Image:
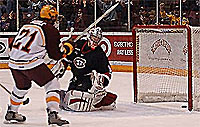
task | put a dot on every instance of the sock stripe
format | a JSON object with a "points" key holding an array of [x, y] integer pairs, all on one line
{"points": [[52, 98], [15, 103]]}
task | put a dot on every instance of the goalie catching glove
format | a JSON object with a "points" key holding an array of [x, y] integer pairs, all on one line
{"points": [[99, 81]]}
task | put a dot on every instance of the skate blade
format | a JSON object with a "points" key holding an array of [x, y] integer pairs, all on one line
{"points": [[55, 125], [12, 122]]}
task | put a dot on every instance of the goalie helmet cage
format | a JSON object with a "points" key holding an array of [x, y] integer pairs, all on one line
{"points": [[165, 68]]}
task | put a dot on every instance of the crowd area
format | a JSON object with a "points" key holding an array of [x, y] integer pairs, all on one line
{"points": [[81, 13]]}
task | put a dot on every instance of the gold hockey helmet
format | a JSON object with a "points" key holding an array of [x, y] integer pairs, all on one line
{"points": [[48, 11]]}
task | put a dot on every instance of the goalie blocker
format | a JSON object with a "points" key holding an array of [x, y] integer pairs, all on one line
{"points": [[74, 100]]}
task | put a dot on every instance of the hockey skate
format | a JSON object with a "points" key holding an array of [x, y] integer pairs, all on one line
{"points": [[14, 117], [55, 119]]}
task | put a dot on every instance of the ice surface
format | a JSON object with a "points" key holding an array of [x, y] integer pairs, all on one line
{"points": [[127, 113]]}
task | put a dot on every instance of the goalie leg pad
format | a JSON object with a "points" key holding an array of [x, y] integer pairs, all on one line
{"points": [[77, 101], [107, 100]]}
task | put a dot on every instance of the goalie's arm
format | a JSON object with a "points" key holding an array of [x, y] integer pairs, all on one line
{"points": [[103, 67]]}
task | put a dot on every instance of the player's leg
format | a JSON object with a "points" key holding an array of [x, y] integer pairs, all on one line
{"points": [[51, 85], [22, 84], [53, 100]]}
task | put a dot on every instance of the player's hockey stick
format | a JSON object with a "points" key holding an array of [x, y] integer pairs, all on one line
{"points": [[24, 102], [67, 38], [88, 28], [97, 21]]}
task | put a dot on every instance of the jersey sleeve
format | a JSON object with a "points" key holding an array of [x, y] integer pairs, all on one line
{"points": [[52, 38]]}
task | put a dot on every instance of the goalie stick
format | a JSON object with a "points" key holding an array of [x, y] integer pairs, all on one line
{"points": [[97, 21], [24, 102]]}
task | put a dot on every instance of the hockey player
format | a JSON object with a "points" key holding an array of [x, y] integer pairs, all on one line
{"points": [[91, 74], [26, 63]]}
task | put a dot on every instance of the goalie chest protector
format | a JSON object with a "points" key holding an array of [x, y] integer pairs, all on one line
{"points": [[84, 60]]}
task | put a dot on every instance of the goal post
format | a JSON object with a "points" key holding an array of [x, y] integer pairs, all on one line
{"points": [[195, 39], [162, 64]]}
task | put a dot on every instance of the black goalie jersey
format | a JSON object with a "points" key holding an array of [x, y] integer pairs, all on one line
{"points": [[83, 61]]}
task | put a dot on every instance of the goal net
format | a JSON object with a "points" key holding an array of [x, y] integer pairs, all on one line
{"points": [[165, 67]]}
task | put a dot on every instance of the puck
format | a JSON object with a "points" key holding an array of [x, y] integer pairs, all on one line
{"points": [[183, 106]]}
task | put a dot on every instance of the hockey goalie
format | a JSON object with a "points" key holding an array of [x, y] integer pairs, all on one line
{"points": [[91, 75]]}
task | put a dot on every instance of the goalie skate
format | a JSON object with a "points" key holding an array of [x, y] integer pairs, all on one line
{"points": [[55, 120]]}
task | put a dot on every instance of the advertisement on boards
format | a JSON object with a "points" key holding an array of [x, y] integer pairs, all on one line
{"points": [[118, 48], [4, 50]]}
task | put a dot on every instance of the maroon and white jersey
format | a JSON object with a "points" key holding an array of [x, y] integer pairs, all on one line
{"points": [[31, 44]]}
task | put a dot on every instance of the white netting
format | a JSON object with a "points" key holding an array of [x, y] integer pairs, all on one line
{"points": [[162, 64]]}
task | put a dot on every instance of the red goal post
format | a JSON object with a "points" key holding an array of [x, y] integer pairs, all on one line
{"points": [[162, 64]]}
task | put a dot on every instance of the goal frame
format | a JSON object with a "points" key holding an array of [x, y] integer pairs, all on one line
{"points": [[189, 69]]}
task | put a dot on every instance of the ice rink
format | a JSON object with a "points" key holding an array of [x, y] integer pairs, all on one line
{"points": [[127, 113]]}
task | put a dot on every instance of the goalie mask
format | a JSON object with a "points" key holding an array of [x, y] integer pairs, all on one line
{"points": [[94, 37]]}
